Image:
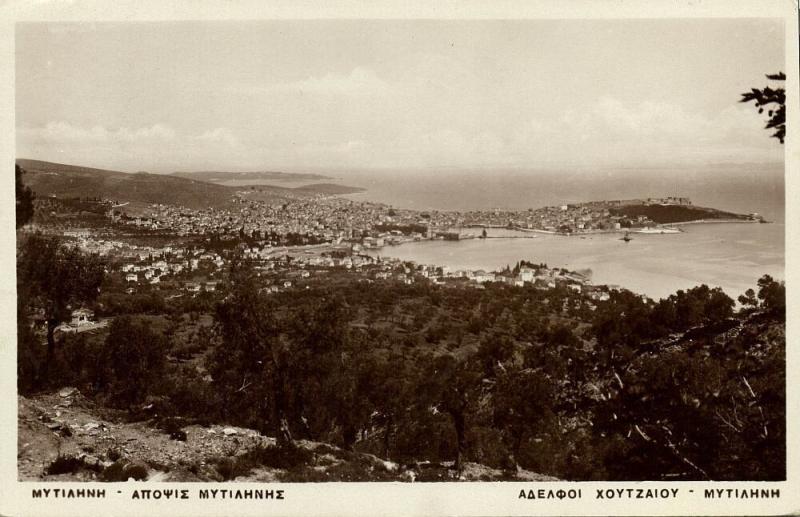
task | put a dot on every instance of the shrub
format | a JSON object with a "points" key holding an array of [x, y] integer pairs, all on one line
{"points": [[279, 457], [137, 354], [64, 464], [122, 470], [231, 468]]}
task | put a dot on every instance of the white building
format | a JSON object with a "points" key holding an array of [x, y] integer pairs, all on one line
{"points": [[526, 274], [81, 317]]}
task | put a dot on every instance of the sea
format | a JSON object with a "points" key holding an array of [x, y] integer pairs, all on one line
{"points": [[728, 255]]}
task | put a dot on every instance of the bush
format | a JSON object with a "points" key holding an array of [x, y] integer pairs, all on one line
{"points": [[122, 470], [137, 356], [279, 457], [262, 456], [232, 468], [64, 464]]}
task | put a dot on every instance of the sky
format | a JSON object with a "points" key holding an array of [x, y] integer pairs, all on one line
{"points": [[394, 94]]}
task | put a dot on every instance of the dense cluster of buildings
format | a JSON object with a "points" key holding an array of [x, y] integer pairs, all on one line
{"points": [[371, 225], [328, 219], [595, 216], [344, 230], [194, 270]]}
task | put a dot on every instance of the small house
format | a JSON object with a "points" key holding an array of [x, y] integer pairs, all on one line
{"points": [[81, 317]]}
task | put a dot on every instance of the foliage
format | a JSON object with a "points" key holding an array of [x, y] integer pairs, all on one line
{"points": [[30, 352], [250, 365], [452, 386], [24, 198], [523, 406], [694, 413], [278, 457], [135, 356], [772, 294], [547, 380], [748, 299], [122, 470], [52, 280], [764, 98], [64, 464]]}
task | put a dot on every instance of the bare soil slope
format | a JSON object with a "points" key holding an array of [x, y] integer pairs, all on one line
{"points": [[63, 436]]}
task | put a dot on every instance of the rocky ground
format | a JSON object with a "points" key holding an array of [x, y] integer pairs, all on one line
{"points": [[63, 436]]}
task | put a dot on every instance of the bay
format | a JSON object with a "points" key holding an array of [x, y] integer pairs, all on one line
{"points": [[728, 255], [731, 256]]}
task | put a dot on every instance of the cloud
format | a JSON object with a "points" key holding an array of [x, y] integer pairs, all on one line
{"points": [[608, 132], [613, 132], [148, 147], [219, 135], [359, 82], [66, 133]]}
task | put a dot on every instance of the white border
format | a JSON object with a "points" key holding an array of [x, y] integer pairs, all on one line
{"points": [[387, 498]]}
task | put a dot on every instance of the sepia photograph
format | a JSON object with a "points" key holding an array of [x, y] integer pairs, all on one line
{"points": [[401, 250]]}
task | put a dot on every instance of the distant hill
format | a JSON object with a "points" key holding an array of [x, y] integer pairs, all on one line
{"points": [[61, 180], [47, 179], [668, 214], [330, 189], [221, 176]]}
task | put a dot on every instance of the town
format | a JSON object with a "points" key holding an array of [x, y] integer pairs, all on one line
{"points": [[296, 243], [183, 253]]}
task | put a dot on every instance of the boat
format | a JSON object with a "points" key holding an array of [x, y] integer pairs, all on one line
{"points": [[627, 237]]}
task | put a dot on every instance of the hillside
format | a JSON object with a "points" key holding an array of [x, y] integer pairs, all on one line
{"points": [[255, 176], [329, 189], [60, 180], [668, 214], [63, 436], [259, 180], [65, 181]]}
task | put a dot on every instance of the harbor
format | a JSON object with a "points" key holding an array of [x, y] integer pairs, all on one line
{"points": [[727, 255]]}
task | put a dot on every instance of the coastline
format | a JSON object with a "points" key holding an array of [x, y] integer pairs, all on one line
{"points": [[657, 230], [653, 266], [721, 221], [667, 230]]}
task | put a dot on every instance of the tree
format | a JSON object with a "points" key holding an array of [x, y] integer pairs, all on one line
{"points": [[772, 294], [748, 299], [391, 393], [325, 364], [767, 96], [451, 385], [661, 417], [250, 363], [522, 404], [620, 324], [24, 198], [136, 358], [30, 360], [718, 306], [495, 348], [55, 279]]}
